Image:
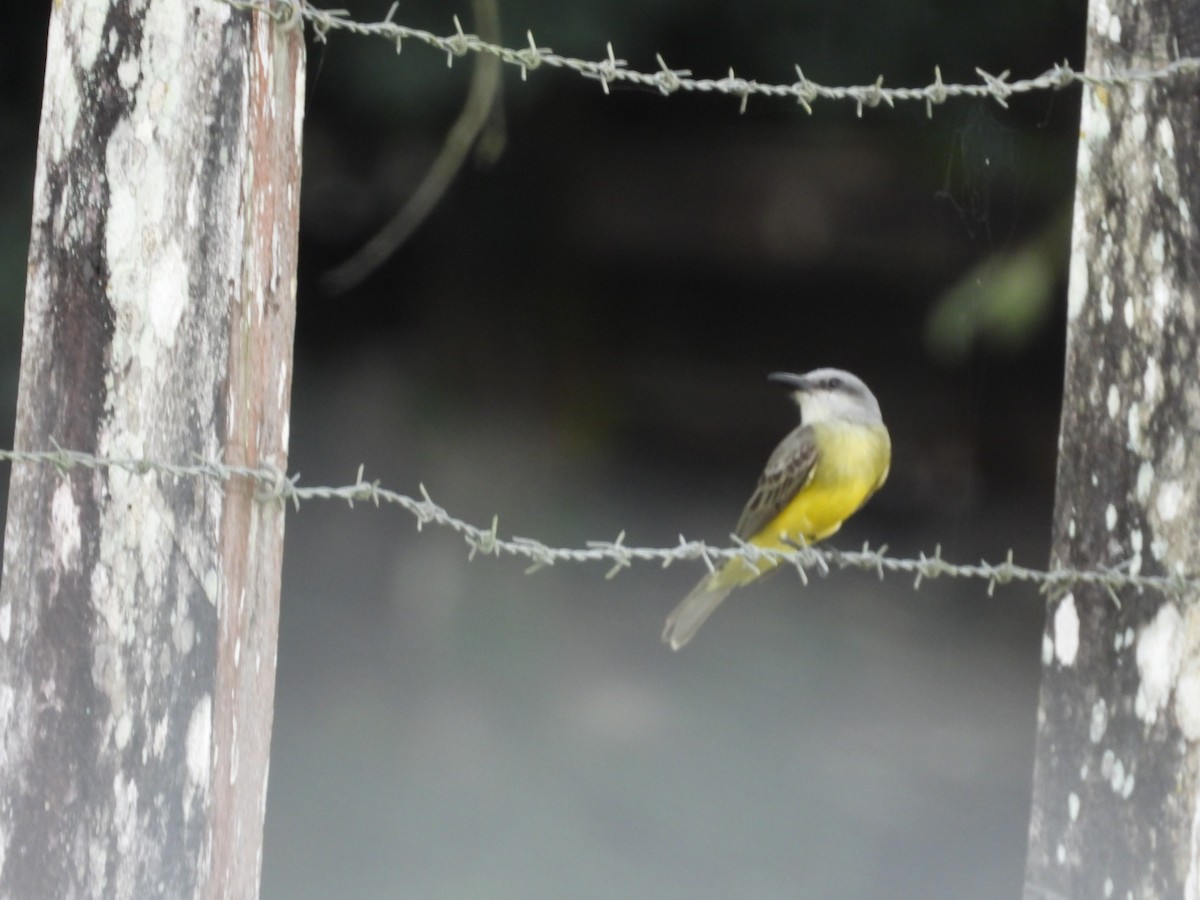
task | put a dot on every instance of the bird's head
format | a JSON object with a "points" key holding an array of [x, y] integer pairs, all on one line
{"points": [[831, 395]]}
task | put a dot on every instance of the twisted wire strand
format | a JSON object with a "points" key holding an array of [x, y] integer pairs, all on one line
{"points": [[277, 486], [667, 80]]}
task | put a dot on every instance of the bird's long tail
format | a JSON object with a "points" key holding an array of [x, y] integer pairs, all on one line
{"points": [[685, 620]]}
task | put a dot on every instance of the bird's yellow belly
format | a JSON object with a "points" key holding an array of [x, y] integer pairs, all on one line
{"points": [[853, 464], [816, 513]]}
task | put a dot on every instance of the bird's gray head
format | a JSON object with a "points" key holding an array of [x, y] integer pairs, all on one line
{"points": [[831, 395]]}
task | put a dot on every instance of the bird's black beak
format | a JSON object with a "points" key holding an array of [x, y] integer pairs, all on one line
{"points": [[795, 382]]}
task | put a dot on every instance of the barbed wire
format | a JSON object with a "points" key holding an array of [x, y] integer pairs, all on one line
{"points": [[666, 80], [277, 486]]}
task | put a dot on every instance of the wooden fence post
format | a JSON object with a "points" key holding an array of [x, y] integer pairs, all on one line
{"points": [[138, 613], [1116, 800]]}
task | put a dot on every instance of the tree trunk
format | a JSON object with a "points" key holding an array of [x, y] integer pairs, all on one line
{"points": [[1116, 810], [138, 612]]}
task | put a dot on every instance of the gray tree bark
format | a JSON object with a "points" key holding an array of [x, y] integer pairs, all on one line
{"points": [[138, 613], [1116, 799]]}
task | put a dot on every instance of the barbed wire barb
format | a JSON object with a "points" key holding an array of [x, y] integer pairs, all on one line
{"points": [[935, 93], [801, 571], [620, 555], [667, 81], [531, 56], [804, 90], [997, 85], [1112, 595], [609, 68]]}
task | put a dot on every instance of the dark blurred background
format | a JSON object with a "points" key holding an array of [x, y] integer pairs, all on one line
{"points": [[577, 340]]}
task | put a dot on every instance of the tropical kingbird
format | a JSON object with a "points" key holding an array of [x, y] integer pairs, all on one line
{"points": [[818, 476]]}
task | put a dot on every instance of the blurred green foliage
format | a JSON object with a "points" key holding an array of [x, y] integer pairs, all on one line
{"points": [[1005, 300]]}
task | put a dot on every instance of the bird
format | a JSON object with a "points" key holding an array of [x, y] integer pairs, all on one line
{"points": [[821, 473]]}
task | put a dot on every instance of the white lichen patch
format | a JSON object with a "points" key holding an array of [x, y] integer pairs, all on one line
{"points": [[136, 540], [1066, 631], [1137, 125], [298, 117], [234, 753], [1160, 299], [1145, 478], [162, 95], [1099, 723], [1169, 500], [1110, 517], [168, 293], [1166, 137], [125, 814], [62, 103], [137, 209], [210, 584], [104, 599], [1135, 425], [281, 384], [129, 70], [1116, 777], [1159, 655], [8, 699], [1106, 301], [64, 520], [97, 869], [1136, 542], [266, 780], [198, 754], [183, 628], [159, 739], [1077, 287], [123, 731], [1120, 779], [1106, 764], [1187, 700], [86, 21], [1114, 35], [1114, 401], [1151, 381], [1158, 248]]}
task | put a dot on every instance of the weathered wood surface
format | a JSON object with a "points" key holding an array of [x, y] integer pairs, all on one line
{"points": [[138, 613], [1115, 801]]}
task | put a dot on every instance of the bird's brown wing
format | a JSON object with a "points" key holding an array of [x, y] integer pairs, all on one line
{"points": [[789, 469]]}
